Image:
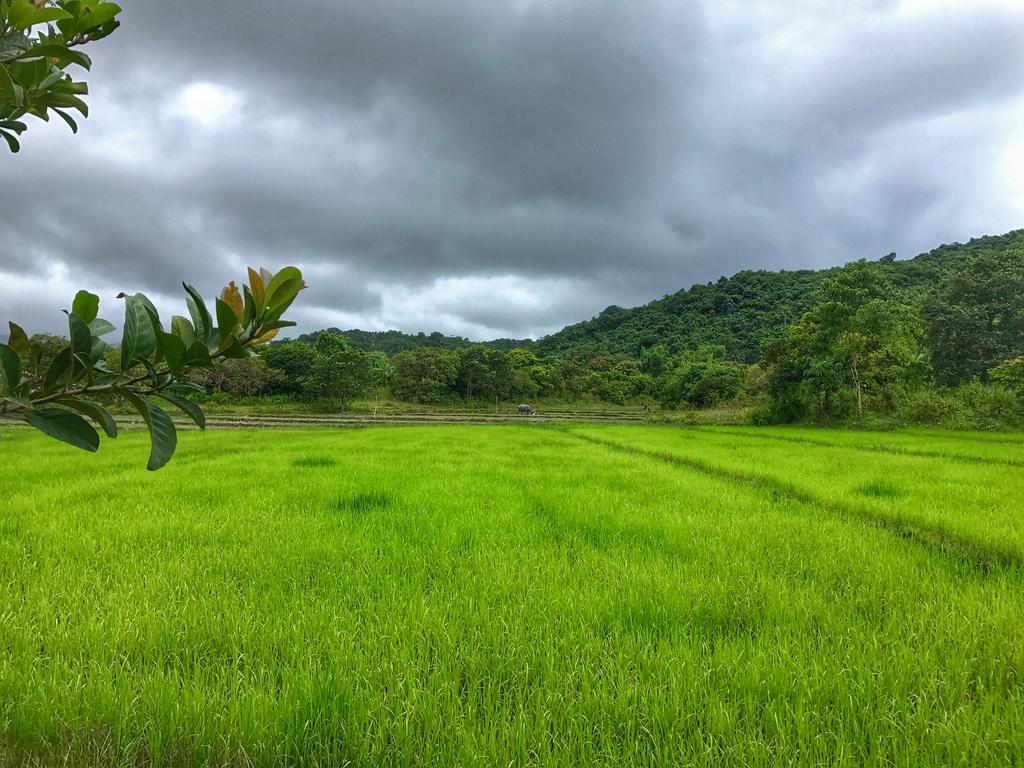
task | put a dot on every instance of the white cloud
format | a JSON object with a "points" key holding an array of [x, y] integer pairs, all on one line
{"points": [[207, 104]]}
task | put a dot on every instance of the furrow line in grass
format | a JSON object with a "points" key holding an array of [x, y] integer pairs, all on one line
{"points": [[981, 557], [872, 448]]}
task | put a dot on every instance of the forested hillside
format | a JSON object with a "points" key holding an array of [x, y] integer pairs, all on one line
{"points": [[739, 312]]}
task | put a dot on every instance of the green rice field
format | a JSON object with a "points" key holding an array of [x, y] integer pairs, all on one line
{"points": [[514, 595]]}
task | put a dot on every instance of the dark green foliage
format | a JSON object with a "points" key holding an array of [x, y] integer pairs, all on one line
{"points": [[701, 378], [338, 373], [425, 375], [1010, 375], [745, 310], [33, 58], [856, 342], [976, 319], [393, 342]]}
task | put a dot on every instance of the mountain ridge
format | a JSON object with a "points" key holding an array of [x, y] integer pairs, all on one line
{"points": [[738, 312]]}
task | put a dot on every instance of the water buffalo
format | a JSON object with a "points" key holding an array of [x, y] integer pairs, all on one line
{"points": [[525, 410]]}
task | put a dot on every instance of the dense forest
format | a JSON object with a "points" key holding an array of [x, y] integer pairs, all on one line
{"points": [[742, 311]]}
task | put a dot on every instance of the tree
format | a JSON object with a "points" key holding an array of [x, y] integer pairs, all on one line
{"points": [[57, 394], [425, 375], [34, 57], [293, 360], [338, 372], [702, 378], [856, 341], [976, 319], [1010, 375]]}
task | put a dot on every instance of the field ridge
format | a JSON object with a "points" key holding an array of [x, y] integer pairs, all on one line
{"points": [[982, 558]]}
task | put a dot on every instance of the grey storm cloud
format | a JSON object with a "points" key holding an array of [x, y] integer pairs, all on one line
{"points": [[505, 168]]}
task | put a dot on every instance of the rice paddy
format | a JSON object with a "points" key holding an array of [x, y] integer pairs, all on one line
{"points": [[514, 595]]}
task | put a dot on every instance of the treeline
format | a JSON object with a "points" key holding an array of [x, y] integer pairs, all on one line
{"points": [[935, 340], [939, 339], [393, 342]]}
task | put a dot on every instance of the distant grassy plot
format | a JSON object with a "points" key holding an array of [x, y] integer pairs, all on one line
{"points": [[509, 595]]}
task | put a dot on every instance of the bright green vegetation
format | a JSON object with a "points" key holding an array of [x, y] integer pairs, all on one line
{"points": [[514, 595], [936, 340]]}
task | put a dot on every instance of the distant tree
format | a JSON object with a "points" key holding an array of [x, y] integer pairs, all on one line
{"points": [[425, 375], [339, 372], [1010, 375], [701, 378], [293, 361], [976, 319], [39, 40], [54, 385], [382, 372], [857, 340], [248, 377]]}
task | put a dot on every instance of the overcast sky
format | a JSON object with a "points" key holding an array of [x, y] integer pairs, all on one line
{"points": [[505, 168]]}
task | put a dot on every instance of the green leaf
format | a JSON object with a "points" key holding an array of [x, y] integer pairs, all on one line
{"points": [[193, 410], [234, 351], [250, 308], [183, 329], [7, 92], [67, 119], [100, 327], [162, 434], [286, 275], [81, 340], [18, 341], [24, 14], [201, 319], [10, 370], [95, 412], [86, 305], [175, 351], [139, 340], [12, 142], [198, 356], [63, 55], [56, 374], [100, 15], [227, 322], [96, 353], [65, 426]]}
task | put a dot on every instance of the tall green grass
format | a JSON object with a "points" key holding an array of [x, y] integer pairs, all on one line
{"points": [[484, 596]]}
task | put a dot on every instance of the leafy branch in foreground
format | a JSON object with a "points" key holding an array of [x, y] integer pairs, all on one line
{"points": [[56, 393], [32, 61]]}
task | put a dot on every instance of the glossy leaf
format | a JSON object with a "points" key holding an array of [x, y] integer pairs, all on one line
{"points": [[10, 370], [183, 329], [175, 351], [65, 426], [57, 373], [81, 340], [194, 411], [139, 340], [95, 412], [18, 341], [86, 305], [284, 276], [227, 324], [100, 327], [201, 320], [163, 437]]}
